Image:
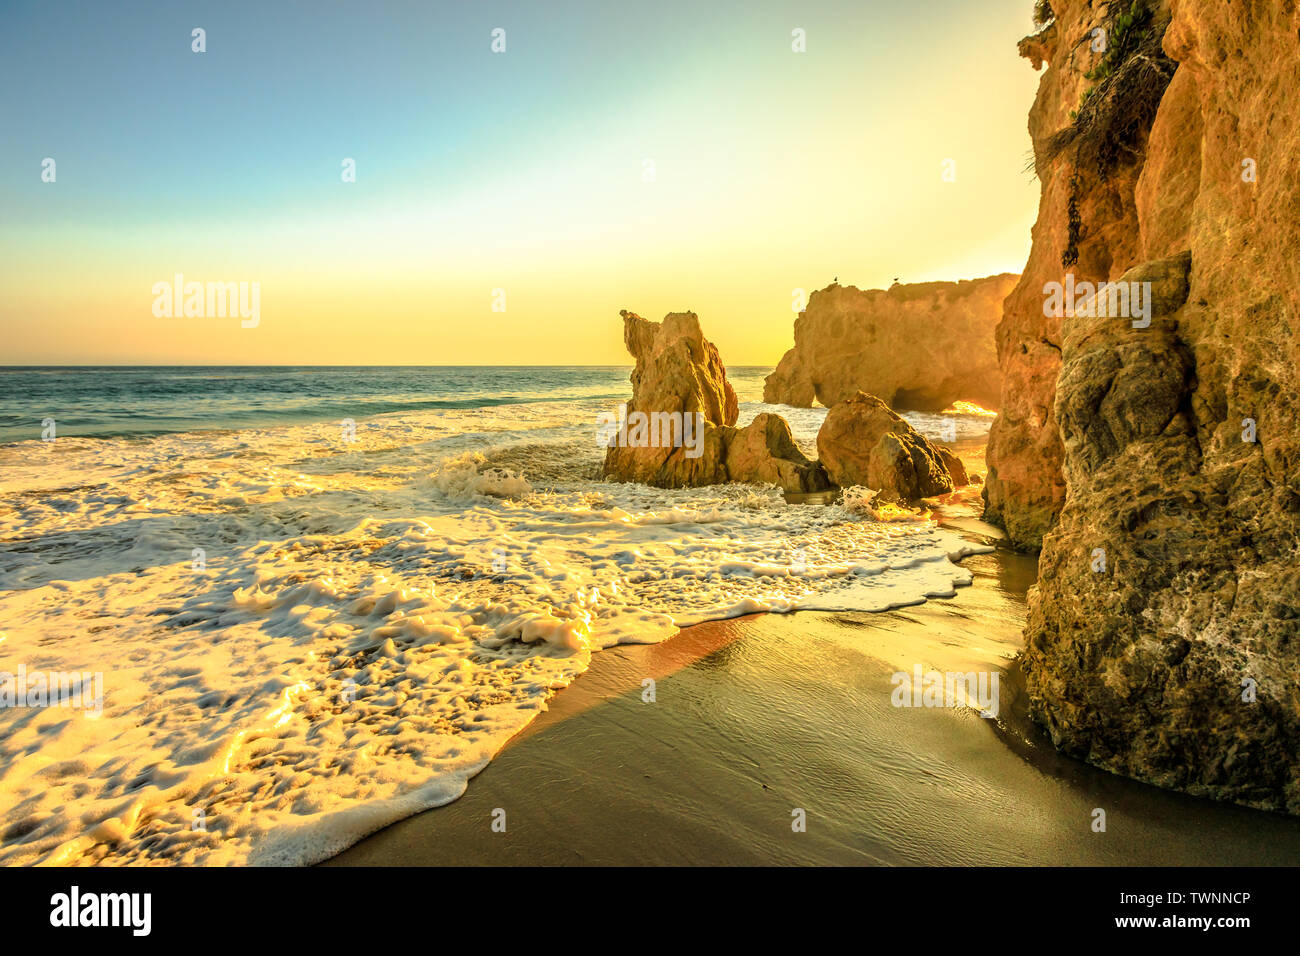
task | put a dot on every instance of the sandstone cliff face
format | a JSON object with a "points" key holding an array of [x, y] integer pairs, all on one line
{"points": [[681, 393], [1024, 489], [920, 346], [1164, 634]]}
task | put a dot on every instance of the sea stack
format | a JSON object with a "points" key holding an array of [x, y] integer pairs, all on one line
{"points": [[678, 429]]}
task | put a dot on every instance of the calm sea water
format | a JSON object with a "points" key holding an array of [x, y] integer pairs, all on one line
{"points": [[125, 401]]}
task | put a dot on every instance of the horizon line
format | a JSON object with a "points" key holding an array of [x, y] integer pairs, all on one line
{"points": [[311, 365]]}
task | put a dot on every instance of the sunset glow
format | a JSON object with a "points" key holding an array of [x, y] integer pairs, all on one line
{"points": [[523, 171]]}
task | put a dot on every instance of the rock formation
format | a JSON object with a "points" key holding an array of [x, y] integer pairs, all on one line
{"points": [[1088, 215], [920, 346], [680, 394], [955, 467], [677, 371], [1023, 490], [862, 442], [1159, 464], [764, 452]]}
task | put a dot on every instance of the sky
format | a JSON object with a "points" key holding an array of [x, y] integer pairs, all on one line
{"points": [[656, 157]]}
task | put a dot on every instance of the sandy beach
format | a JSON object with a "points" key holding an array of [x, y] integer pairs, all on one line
{"points": [[760, 715], [757, 716]]}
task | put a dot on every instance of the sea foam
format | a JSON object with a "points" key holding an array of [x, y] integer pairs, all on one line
{"points": [[369, 622]]}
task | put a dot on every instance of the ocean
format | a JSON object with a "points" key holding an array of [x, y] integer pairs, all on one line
{"points": [[297, 604]]}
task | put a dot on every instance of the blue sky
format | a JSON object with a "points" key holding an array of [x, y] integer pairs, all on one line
{"points": [[499, 169]]}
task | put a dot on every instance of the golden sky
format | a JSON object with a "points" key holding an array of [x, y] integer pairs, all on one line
{"points": [[524, 171]]}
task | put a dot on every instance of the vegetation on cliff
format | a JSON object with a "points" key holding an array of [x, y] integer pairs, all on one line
{"points": [[1115, 113]]}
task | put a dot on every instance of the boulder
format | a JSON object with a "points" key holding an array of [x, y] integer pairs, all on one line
{"points": [[764, 452], [955, 467], [921, 346], [863, 442]]}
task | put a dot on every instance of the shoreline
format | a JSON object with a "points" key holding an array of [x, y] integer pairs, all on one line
{"points": [[709, 774], [760, 715]]}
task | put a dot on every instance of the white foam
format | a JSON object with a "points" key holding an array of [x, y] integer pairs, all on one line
{"points": [[349, 655]]}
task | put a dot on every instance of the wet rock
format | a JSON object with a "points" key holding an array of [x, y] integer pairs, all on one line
{"points": [[955, 467], [764, 452], [863, 442], [1163, 639], [678, 373], [678, 429]]}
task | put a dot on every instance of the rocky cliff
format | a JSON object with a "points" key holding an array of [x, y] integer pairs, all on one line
{"points": [[919, 346], [1087, 225], [1156, 455]]}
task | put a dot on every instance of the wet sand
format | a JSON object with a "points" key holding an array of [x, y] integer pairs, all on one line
{"points": [[756, 717]]}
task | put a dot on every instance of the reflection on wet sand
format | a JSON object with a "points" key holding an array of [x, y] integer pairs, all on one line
{"points": [[756, 717]]}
